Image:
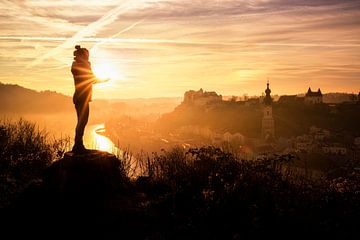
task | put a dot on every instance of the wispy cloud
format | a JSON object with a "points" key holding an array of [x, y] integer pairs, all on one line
{"points": [[89, 30], [114, 39], [229, 46], [105, 40]]}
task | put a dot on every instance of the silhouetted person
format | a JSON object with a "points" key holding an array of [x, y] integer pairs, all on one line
{"points": [[83, 80]]}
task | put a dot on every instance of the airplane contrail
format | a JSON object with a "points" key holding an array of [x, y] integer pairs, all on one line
{"points": [[102, 40], [117, 34], [89, 30], [171, 41]]}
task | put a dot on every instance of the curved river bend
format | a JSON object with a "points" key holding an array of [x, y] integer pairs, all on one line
{"points": [[95, 138]]}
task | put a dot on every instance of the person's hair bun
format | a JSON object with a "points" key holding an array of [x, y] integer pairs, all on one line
{"points": [[77, 47]]}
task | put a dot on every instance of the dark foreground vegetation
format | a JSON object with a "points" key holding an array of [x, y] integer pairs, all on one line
{"points": [[25, 151], [199, 194]]}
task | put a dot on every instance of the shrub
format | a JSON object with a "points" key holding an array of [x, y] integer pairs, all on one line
{"points": [[208, 188], [25, 151]]}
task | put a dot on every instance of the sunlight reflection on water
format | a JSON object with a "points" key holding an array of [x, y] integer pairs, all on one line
{"points": [[94, 139]]}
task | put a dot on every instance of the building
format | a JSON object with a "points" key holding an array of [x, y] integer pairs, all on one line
{"points": [[334, 149], [313, 97], [357, 142], [268, 127], [287, 99], [201, 97], [309, 98], [319, 134], [290, 99], [251, 102]]}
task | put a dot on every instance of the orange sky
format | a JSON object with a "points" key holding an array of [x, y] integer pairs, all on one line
{"points": [[163, 48]]}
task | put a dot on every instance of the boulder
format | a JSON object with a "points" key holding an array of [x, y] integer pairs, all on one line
{"points": [[77, 192], [93, 172]]}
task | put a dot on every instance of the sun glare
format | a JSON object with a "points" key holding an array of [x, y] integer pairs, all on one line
{"points": [[103, 67], [105, 70]]}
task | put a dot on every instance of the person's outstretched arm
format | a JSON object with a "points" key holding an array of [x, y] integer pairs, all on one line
{"points": [[98, 80]]}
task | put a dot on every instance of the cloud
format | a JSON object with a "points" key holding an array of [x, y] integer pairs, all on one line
{"points": [[194, 42], [89, 30], [114, 40]]}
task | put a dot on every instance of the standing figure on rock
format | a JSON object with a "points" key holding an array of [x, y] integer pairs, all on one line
{"points": [[84, 78]]}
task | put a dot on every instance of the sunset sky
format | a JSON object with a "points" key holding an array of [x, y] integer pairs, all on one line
{"points": [[163, 48]]}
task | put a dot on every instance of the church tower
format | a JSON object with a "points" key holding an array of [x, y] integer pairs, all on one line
{"points": [[268, 128]]}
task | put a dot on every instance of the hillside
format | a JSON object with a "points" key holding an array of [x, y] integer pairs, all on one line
{"points": [[296, 119], [338, 97], [17, 99], [290, 119], [221, 117], [20, 100]]}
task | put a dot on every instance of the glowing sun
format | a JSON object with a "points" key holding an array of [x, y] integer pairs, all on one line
{"points": [[105, 70]]}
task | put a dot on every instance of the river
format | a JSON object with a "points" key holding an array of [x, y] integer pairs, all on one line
{"points": [[95, 138]]}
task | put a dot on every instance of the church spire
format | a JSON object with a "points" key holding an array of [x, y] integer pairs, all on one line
{"points": [[268, 129], [267, 99]]}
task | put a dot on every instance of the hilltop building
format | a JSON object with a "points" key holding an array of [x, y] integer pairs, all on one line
{"points": [[290, 99], [309, 98], [201, 97], [268, 127], [313, 97]]}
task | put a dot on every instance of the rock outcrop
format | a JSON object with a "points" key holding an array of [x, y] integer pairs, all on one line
{"points": [[93, 173], [79, 192]]}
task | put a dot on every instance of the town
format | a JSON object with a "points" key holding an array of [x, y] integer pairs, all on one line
{"points": [[206, 118]]}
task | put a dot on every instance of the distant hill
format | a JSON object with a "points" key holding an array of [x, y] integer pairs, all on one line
{"points": [[221, 117], [17, 99], [290, 120], [20, 100], [144, 106], [339, 97]]}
